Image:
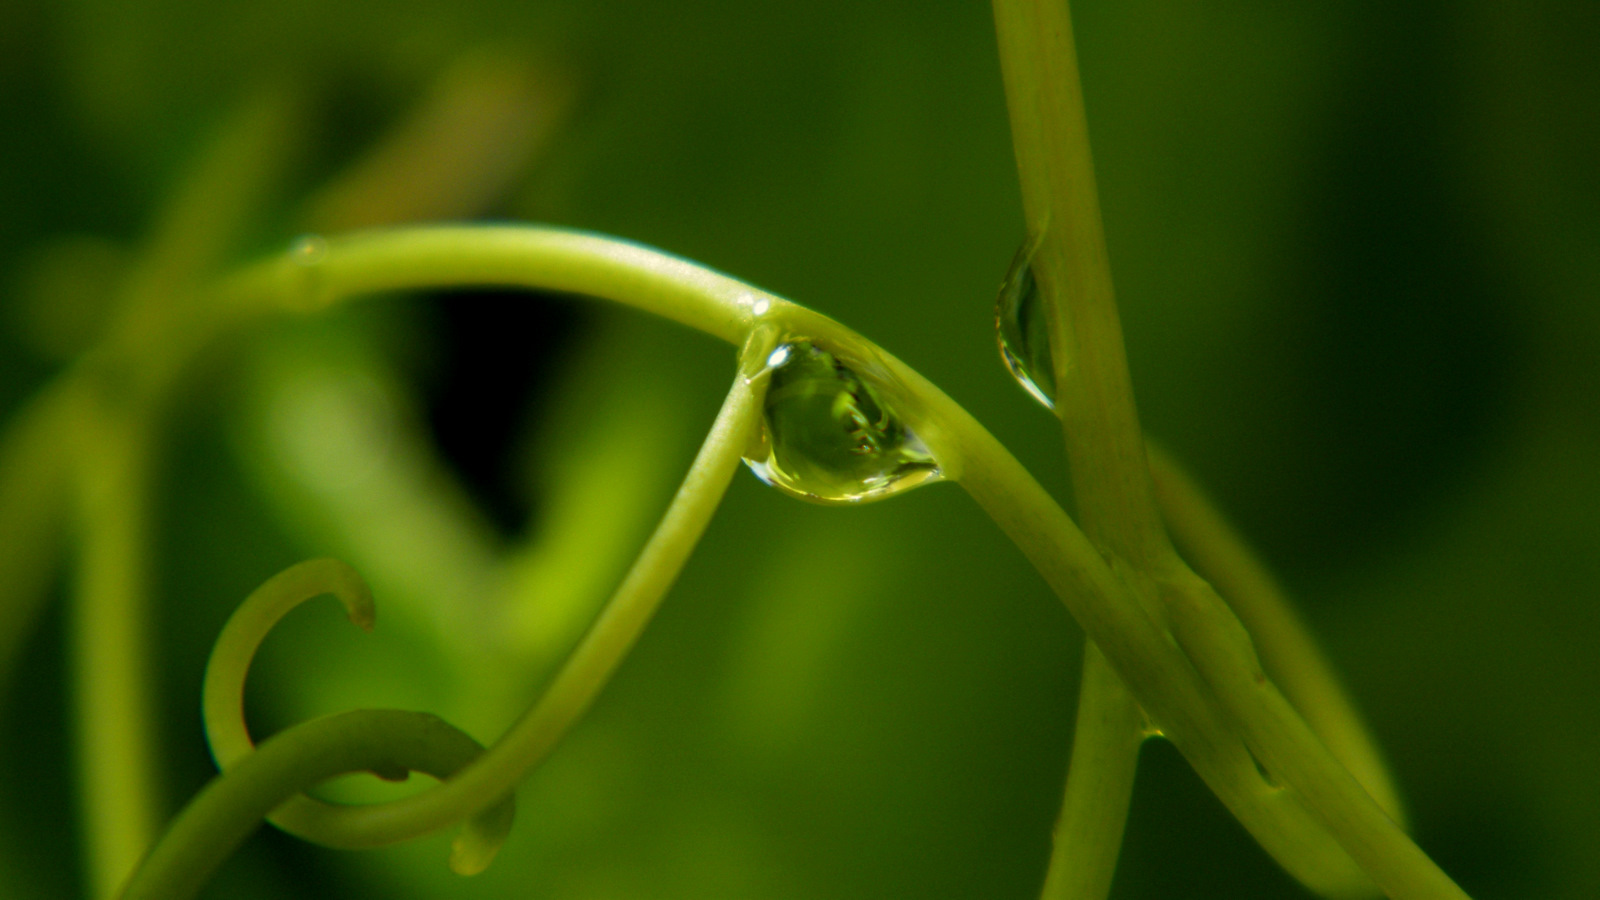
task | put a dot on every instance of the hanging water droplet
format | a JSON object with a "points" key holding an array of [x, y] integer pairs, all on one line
{"points": [[309, 249], [307, 253], [1020, 324], [827, 435]]}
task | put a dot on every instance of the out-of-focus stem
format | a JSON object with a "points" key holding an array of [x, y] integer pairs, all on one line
{"points": [[109, 639], [1287, 650]]}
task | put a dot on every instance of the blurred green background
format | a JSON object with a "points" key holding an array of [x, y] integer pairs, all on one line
{"points": [[1357, 248]]}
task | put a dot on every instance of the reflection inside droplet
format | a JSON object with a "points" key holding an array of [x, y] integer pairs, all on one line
{"points": [[309, 249], [828, 436], [1023, 333]]}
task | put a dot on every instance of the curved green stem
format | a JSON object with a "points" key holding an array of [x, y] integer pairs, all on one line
{"points": [[1103, 596], [1224, 657], [1120, 606], [229, 736], [223, 693], [1105, 754], [574, 688], [232, 805]]}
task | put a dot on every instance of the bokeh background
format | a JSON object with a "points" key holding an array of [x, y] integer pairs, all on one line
{"points": [[1357, 247]]}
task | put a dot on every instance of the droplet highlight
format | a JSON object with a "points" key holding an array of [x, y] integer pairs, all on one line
{"points": [[1020, 326], [307, 254], [309, 249], [828, 436]]}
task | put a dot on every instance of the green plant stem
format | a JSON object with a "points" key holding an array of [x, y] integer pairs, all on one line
{"points": [[585, 672], [1288, 652], [1094, 395], [109, 640], [1094, 400], [1224, 656], [1094, 810], [229, 736], [35, 499], [222, 694], [232, 805], [1102, 597], [108, 403], [1108, 597]]}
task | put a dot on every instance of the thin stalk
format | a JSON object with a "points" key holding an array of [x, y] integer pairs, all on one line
{"points": [[223, 707], [1094, 395], [1112, 600], [1094, 810], [109, 626], [1223, 655], [1103, 598], [35, 504], [1288, 651], [580, 679], [213, 825], [150, 338], [1094, 400]]}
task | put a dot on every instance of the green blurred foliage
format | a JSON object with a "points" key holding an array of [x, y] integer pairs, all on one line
{"points": [[1356, 249]]}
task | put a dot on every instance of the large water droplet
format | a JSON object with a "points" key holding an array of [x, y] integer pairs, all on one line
{"points": [[1024, 336], [828, 436]]}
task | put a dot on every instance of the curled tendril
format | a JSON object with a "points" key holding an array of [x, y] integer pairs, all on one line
{"points": [[233, 804], [310, 819], [473, 784]]}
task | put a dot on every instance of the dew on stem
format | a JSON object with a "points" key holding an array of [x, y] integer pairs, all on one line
{"points": [[1021, 328], [309, 249], [829, 436]]}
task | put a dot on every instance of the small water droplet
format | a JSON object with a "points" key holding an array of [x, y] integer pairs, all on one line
{"points": [[760, 307], [828, 436], [306, 254], [309, 249], [1020, 324]]}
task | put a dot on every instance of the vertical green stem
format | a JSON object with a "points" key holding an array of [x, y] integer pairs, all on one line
{"points": [[1094, 400], [109, 635], [35, 499], [156, 327], [1105, 754], [1094, 396]]}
